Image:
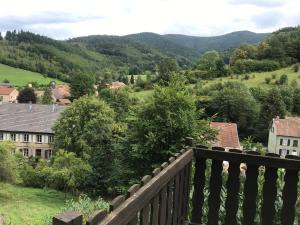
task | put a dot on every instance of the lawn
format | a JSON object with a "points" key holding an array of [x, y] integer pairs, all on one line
{"points": [[20, 77], [29, 206], [142, 95], [258, 79]]}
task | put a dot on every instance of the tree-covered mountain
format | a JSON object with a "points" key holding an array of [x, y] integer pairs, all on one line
{"points": [[100, 55]]}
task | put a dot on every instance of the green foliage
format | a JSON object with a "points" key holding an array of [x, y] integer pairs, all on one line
{"points": [[88, 128], [131, 79], [81, 85], [213, 64], [272, 106], [166, 69], [283, 79], [251, 65], [65, 172], [233, 102], [268, 80], [47, 97], [296, 68], [8, 164], [27, 95], [162, 124], [85, 205]]}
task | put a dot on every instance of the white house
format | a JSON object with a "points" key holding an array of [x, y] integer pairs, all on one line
{"points": [[284, 136]]}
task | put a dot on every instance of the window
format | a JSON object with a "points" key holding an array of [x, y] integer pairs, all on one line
{"points": [[39, 138], [13, 137], [50, 138], [38, 152], [294, 152], [285, 142], [25, 152], [295, 143], [25, 137], [1, 136]]}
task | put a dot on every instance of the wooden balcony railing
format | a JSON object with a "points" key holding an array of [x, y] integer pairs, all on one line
{"points": [[164, 198]]}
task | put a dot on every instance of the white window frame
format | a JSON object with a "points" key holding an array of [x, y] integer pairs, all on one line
{"points": [[13, 137], [50, 138], [25, 139], [25, 152], [39, 138]]}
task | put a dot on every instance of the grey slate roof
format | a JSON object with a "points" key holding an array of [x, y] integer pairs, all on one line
{"points": [[19, 117]]}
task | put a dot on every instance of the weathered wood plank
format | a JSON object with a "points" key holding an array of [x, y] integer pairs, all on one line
{"points": [[116, 202], [124, 213], [155, 210], [250, 193], [163, 207], [215, 186], [268, 160], [269, 196], [145, 215], [199, 183], [68, 218], [181, 196], [176, 200], [170, 202], [233, 185], [96, 218], [289, 197]]}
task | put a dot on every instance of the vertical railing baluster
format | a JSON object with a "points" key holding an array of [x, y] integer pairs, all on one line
{"points": [[269, 195], [289, 195], [250, 192], [170, 202], [215, 185], [199, 183], [233, 185]]}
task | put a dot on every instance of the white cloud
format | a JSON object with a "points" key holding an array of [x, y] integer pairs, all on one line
{"points": [[65, 18]]}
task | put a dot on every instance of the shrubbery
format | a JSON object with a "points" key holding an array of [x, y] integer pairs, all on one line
{"points": [[250, 65]]}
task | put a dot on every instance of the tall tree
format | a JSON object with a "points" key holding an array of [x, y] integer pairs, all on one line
{"points": [[27, 95], [88, 128], [81, 84], [47, 97], [7, 162], [272, 107], [166, 68], [1, 38]]}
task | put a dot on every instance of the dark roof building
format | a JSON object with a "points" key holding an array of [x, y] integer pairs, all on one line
{"points": [[33, 118]]}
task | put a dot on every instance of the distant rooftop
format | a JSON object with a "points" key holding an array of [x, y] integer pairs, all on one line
{"points": [[289, 126], [228, 135], [6, 90], [20, 118]]}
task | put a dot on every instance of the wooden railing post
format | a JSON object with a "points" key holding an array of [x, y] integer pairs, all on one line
{"points": [[68, 218]]}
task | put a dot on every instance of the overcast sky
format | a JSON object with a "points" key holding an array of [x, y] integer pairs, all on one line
{"points": [[63, 19]]}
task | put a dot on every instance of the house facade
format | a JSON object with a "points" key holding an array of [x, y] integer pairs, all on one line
{"points": [[284, 136], [29, 127], [8, 94]]}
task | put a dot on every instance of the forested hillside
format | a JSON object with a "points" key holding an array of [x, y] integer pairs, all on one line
{"points": [[103, 55]]}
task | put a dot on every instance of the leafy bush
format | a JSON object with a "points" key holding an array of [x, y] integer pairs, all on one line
{"points": [[251, 65], [296, 68], [267, 80], [7, 162]]}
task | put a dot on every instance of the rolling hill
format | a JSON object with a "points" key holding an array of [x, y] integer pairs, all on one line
{"points": [[101, 54]]}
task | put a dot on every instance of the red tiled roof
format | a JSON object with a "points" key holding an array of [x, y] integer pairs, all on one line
{"points": [[289, 126], [61, 91], [228, 135], [4, 90], [117, 85]]}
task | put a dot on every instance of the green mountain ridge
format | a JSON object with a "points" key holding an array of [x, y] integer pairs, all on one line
{"points": [[100, 54]]}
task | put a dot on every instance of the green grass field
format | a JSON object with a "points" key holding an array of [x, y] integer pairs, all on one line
{"points": [[29, 206], [142, 95], [19, 77], [258, 79]]}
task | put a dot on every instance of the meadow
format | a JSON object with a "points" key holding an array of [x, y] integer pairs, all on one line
{"points": [[29, 206], [20, 77]]}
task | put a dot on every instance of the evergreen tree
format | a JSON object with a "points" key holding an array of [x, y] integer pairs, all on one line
{"points": [[82, 84], [47, 97], [132, 79], [272, 106], [27, 95]]}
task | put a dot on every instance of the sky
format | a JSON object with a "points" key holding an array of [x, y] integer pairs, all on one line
{"points": [[63, 19]]}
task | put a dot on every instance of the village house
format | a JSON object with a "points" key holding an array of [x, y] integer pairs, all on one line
{"points": [[227, 136], [8, 94], [284, 136], [29, 126]]}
